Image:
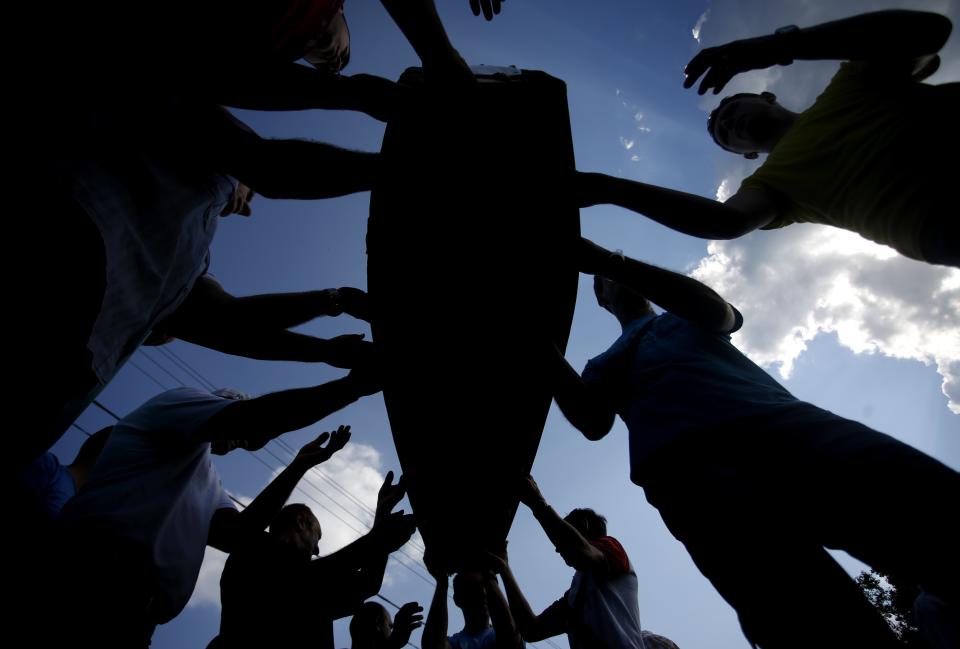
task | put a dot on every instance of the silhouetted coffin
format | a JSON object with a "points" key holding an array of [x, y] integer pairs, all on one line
{"points": [[471, 269]]}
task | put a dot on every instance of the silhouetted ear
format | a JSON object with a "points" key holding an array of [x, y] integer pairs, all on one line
{"points": [[751, 156], [769, 96]]}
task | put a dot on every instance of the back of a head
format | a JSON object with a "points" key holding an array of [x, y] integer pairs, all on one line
{"points": [[618, 299], [588, 522], [370, 626], [289, 518]]}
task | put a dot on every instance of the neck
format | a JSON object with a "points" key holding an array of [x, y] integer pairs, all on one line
{"points": [[475, 622], [783, 121]]}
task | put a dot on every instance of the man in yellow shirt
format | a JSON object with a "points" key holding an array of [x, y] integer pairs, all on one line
{"points": [[863, 157]]}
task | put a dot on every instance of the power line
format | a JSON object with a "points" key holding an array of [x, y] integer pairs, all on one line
{"points": [[82, 429], [147, 374], [185, 367], [106, 410], [150, 358]]}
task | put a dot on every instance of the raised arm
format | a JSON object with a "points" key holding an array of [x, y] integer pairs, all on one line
{"points": [[677, 293], [532, 627], [229, 529], [435, 630], [583, 405], [359, 567], [256, 326], [504, 626], [419, 22], [688, 213], [259, 420], [882, 35], [289, 86], [572, 546], [297, 169]]}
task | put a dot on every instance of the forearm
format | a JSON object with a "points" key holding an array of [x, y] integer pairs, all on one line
{"points": [[889, 34], [268, 503], [286, 86], [565, 538], [270, 345], [264, 418], [370, 577], [280, 310], [680, 211], [523, 615], [583, 408], [503, 623], [420, 24], [303, 170], [676, 293], [435, 629]]}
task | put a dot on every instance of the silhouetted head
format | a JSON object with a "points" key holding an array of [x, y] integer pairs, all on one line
{"points": [[749, 123], [624, 303], [589, 523], [296, 526], [469, 593], [328, 49], [371, 626]]}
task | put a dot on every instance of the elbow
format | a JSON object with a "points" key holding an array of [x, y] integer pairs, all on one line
{"points": [[735, 227], [531, 633], [597, 429]]}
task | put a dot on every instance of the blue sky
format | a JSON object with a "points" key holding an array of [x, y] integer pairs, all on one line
{"points": [[874, 353]]}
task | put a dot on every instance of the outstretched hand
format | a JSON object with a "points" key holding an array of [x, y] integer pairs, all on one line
{"points": [[719, 64], [389, 495], [490, 8], [408, 618], [348, 351], [314, 453]]}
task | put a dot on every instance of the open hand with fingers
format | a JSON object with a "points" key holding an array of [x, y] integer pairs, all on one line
{"points": [[389, 496], [719, 64], [314, 453], [408, 618], [490, 8]]}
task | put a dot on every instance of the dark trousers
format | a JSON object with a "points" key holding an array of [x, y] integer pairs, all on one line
{"points": [[755, 502]]}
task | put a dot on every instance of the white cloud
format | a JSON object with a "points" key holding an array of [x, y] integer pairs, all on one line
{"points": [[794, 284], [627, 143], [699, 25], [207, 590]]}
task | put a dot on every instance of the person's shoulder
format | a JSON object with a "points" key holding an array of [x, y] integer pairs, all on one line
{"points": [[617, 560]]}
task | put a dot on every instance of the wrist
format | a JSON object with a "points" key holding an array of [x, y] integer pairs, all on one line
{"points": [[329, 301], [782, 43]]}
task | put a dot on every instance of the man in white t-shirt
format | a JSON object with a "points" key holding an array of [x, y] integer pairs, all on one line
{"points": [[154, 501], [600, 609]]}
